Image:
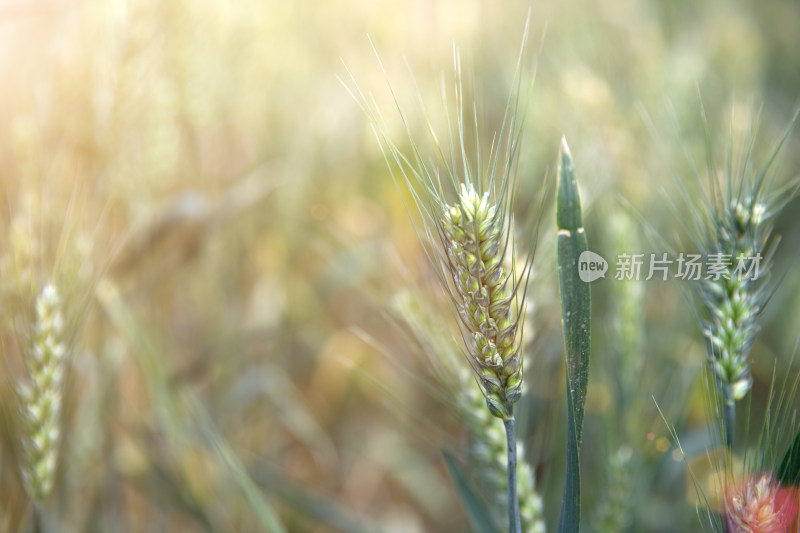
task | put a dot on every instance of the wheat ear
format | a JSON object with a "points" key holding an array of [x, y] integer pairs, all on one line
{"points": [[41, 395], [474, 239], [738, 230]]}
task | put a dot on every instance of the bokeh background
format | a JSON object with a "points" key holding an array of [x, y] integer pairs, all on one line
{"points": [[216, 211]]}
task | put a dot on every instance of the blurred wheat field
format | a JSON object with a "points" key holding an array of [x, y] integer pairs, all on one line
{"points": [[238, 276]]}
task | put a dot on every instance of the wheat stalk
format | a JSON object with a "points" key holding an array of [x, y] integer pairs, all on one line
{"points": [[489, 451], [465, 201], [472, 238], [732, 210], [736, 237]]}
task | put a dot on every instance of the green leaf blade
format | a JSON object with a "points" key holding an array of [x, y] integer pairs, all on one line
{"points": [[480, 517], [575, 320], [267, 517], [789, 470]]}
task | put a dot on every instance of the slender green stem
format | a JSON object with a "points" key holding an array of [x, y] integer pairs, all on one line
{"points": [[514, 525], [38, 526], [729, 423]]}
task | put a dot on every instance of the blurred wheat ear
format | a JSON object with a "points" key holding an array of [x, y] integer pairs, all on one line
{"points": [[620, 505], [486, 455], [41, 395]]}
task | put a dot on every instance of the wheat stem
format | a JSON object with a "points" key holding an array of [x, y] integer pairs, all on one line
{"points": [[729, 423], [514, 524], [738, 237], [37, 519]]}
